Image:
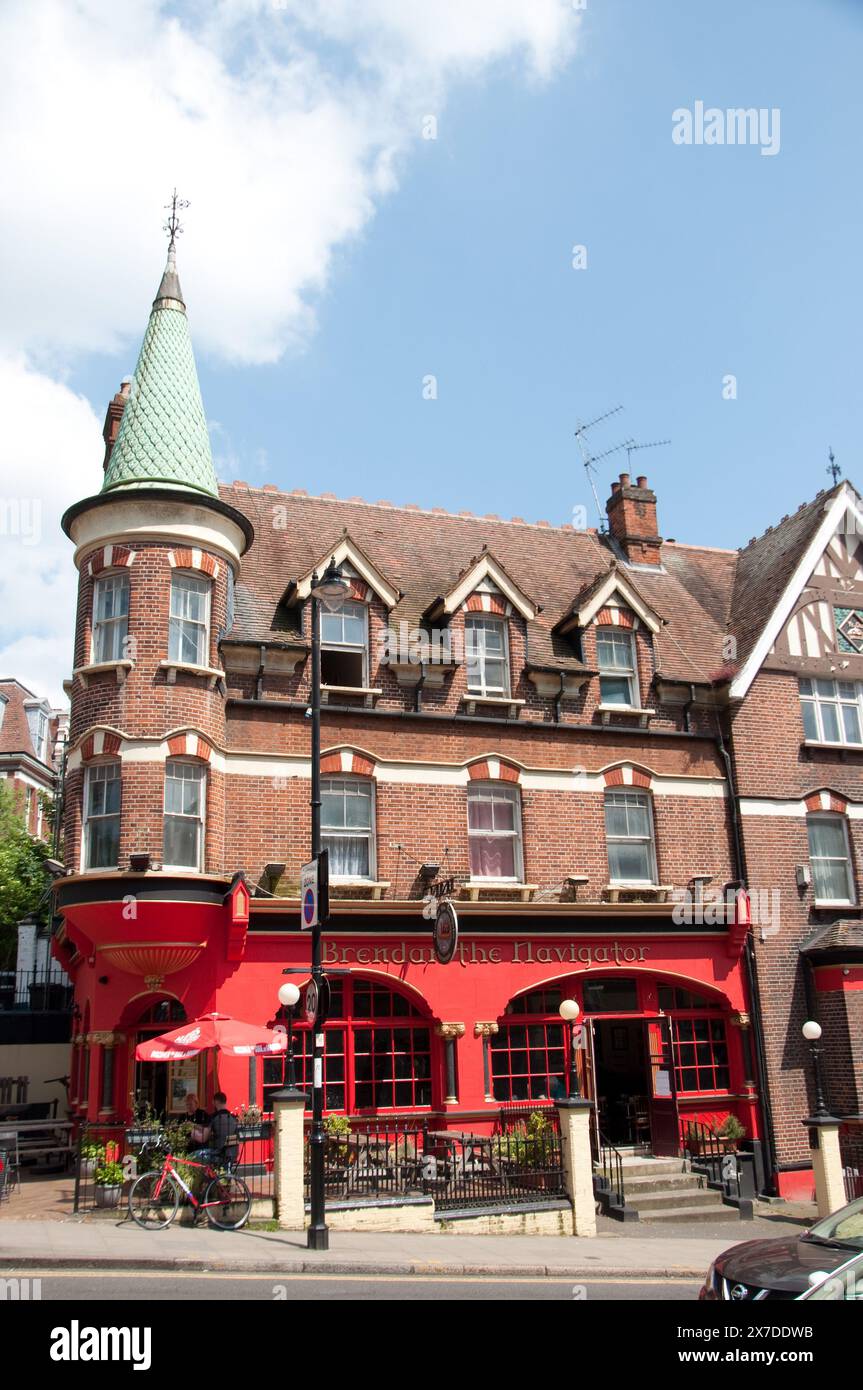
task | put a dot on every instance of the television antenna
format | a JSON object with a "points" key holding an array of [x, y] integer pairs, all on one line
{"points": [[833, 467], [631, 447], [590, 460]]}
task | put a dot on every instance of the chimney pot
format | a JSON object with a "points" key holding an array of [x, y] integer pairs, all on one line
{"points": [[624, 480], [641, 482], [615, 487]]}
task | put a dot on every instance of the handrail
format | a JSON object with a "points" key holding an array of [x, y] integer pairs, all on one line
{"points": [[611, 1164]]}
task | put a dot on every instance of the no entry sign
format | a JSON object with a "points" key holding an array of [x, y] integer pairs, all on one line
{"points": [[314, 892]]}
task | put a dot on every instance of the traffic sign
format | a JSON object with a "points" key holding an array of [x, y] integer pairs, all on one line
{"points": [[314, 892], [310, 1003]]}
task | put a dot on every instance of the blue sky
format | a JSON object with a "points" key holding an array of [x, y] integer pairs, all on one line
{"points": [[701, 261], [333, 259]]}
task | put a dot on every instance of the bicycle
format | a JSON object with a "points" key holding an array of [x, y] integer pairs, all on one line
{"points": [[154, 1198]]}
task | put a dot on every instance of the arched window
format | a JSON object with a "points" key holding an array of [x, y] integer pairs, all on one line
{"points": [[377, 1052]]}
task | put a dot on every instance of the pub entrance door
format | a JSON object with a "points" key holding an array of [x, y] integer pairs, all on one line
{"points": [[664, 1119], [620, 1077]]}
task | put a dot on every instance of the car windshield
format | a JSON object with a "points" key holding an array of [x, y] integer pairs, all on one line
{"points": [[843, 1227]]}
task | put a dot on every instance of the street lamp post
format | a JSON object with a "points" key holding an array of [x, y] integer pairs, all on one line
{"points": [[569, 1012], [333, 587], [289, 997], [812, 1034]]}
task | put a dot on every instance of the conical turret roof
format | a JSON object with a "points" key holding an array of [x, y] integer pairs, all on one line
{"points": [[163, 439]]}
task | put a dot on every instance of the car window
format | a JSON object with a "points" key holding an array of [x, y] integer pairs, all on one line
{"points": [[845, 1224]]}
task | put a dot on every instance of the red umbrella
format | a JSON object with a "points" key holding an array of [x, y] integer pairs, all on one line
{"points": [[213, 1030]]}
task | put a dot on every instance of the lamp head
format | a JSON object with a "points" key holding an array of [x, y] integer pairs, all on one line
{"points": [[568, 1010], [811, 1030], [288, 995], [332, 586]]}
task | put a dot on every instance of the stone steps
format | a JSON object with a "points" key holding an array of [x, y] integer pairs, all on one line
{"points": [[662, 1189]]}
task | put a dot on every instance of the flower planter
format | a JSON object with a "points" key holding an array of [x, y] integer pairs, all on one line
{"points": [[108, 1196], [137, 1138], [262, 1131]]}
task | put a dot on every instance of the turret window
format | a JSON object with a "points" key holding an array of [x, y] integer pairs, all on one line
{"points": [[184, 815], [189, 631], [102, 816], [110, 617]]}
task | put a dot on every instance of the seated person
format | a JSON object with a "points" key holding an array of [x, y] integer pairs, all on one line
{"points": [[222, 1145], [195, 1113]]}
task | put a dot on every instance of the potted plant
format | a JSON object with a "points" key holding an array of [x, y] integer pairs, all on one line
{"points": [[109, 1184], [337, 1129], [252, 1125], [92, 1155], [145, 1126], [730, 1132], [530, 1150]]}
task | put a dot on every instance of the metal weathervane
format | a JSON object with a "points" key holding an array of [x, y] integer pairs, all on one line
{"points": [[173, 226]]}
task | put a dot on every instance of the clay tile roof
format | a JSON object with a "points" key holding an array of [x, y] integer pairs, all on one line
{"points": [[15, 730], [765, 567], [422, 551], [844, 936]]}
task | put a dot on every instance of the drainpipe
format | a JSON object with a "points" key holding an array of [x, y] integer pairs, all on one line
{"points": [[259, 684], [687, 707], [558, 699], [751, 976], [418, 692]]}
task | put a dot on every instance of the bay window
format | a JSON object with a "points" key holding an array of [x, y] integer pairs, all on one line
{"points": [[486, 656], [110, 617], [184, 815], [831, 711], [615, 656], [347, 826], [189, 625], [494, 832], [101, 830], [830, 859], [629, 837]]}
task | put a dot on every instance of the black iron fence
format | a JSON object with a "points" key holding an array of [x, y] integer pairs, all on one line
{"points": [[110, 1157], [713, 1155], [366, 1160], [44, 989], [608, 1167], [851, 1152]]}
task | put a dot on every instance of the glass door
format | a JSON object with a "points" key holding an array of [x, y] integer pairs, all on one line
{"points": [[662, 1100]]}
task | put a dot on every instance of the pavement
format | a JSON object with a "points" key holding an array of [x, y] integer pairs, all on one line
{"points": [[655, 1252]]}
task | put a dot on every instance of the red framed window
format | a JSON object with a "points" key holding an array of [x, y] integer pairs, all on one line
{"points": [[700, 1040], [528, 1056], [377, 1052]]}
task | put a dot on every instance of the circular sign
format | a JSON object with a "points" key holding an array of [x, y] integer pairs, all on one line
{"points": [[309, 907], [445, 937], [310, 1003]]}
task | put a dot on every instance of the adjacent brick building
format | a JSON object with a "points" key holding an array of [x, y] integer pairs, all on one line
{"points": [[554, 719]]}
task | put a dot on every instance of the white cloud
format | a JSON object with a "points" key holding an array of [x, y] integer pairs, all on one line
{"points": [[52, 448], [284, 123]]}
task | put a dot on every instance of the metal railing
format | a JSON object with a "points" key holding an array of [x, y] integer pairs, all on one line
{"points": [[138, 1150], [609, 1170], [404, 1157], [710, 1154], [851, 1152], [43, 989]]}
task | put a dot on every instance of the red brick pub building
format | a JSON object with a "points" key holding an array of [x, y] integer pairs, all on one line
{"points": [[578, 727]]}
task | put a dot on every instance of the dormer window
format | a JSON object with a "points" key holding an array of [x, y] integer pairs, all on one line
{"points": [[345, 645], [618, 677], [486, 655], [189, 629], [110, 617]]}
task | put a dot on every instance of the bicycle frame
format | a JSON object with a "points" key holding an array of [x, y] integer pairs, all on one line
{"points": [[168, 1170]]}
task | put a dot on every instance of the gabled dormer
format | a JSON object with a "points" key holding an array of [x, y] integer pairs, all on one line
{"points": [[613, 626]]}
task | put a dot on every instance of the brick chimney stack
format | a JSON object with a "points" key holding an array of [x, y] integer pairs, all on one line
{"points": [[632, 520], [113, 416]]}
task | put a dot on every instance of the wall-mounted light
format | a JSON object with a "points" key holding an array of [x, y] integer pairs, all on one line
{"points": [[803, 875]]}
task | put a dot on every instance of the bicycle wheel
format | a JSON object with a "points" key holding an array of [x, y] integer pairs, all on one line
{"points": [[232, 1202], [153, 1212]]}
